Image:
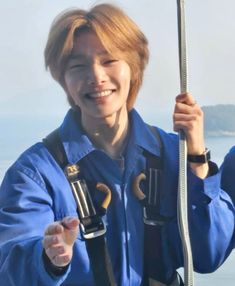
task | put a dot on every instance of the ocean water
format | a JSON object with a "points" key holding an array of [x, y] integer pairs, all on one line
{"points": [[15, 138]]}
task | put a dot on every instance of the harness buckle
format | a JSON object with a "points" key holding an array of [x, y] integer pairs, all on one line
{"points": [[150, 220], [150, 217], [91, 224], [150, 200]]}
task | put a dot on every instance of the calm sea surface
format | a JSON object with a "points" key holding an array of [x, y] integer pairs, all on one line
{"points": [[15, 138]]}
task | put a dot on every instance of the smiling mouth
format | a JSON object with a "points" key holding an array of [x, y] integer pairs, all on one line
{"points": [[100, 94]]}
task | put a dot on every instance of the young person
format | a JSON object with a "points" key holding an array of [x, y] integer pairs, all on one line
{"points": [[98, 57]]}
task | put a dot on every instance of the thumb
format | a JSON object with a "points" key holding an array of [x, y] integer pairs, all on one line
{"points": [[186, 98], [71, 229]]}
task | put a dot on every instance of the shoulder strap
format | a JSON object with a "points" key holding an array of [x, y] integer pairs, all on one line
{"points": [[153, 169], [96, 247], [154, 264], [56, 148], [157, 135]]}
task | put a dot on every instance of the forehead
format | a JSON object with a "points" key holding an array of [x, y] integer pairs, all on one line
{"points": [[87, 43]]}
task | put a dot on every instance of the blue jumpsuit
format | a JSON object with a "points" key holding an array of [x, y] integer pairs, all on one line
{"points": [[228, 173], [35, 193]]}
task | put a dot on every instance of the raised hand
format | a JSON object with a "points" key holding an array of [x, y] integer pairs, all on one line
{"points": [[188, 116], [59, 239]]}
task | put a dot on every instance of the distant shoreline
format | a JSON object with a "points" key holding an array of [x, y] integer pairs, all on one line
{"points": [[220, 134], [219, 120]]}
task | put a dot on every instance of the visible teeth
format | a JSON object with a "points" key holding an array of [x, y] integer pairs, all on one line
{"points": [[100, 94]]}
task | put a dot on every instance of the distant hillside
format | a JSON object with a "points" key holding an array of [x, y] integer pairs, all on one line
{"points": [[219, 120]]}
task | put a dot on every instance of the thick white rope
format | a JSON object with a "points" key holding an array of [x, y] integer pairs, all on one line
{"points": [[182, 201]]}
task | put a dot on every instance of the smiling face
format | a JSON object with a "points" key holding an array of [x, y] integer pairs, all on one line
{"points": [[96, 81]]}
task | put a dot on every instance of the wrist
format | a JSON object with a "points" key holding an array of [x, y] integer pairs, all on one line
{"points": [[51, 268], [201, 170], [202, 158]]}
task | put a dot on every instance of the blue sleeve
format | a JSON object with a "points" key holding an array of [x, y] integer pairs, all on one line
{"points": [[228, 174], [25, 211], [212, 220], [211, 214]]}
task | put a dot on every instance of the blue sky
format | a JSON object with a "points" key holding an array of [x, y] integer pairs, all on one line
{"points": [[27, 89]]}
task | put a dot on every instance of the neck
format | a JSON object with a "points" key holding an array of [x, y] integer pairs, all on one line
{"points": [[109, 134]]}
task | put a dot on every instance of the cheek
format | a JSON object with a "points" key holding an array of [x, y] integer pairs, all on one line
{"points": [[125, 77], [72, 85], [69, 82], [71, 89]]}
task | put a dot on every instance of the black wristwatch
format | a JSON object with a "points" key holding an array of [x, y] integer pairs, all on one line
{"points": [[203, 158]]}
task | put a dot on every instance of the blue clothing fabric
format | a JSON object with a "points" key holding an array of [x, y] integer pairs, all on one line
{"points": [[35, 193], [228, 174]]}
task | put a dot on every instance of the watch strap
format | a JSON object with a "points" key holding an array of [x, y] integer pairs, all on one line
{"points": [[203, 158]]}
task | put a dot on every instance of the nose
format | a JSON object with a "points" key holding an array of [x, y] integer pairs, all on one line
{"points": [[96, 74]]}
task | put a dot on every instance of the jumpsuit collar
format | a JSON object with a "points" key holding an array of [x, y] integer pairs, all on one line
{"points": [[141, 135], [77, 144]]}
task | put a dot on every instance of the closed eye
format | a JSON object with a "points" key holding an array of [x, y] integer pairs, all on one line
{"points": [[111, 61], [77, 66]]}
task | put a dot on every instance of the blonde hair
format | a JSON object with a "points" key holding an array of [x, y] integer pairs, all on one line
{"points": [[117, 32]]}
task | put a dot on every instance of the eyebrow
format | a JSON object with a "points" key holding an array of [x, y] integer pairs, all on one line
{"points": [[82, 56]]}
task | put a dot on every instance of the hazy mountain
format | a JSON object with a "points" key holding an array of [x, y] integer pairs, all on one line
{"points": [[219, 120]]}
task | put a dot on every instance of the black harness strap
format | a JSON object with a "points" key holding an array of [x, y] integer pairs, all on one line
{"points": [[100, 261], [56, 148], [96, 246], [154, 266]]}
